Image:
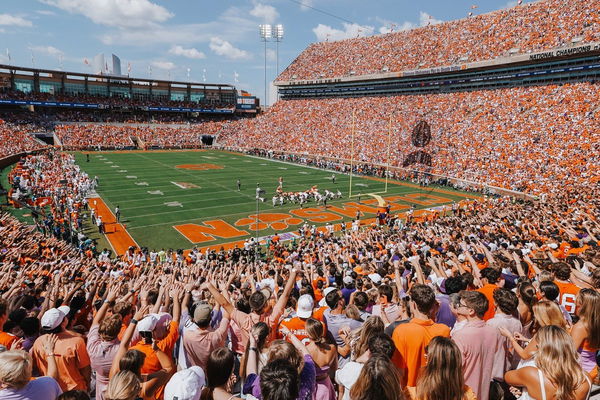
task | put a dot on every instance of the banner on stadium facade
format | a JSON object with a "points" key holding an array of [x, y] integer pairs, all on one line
{"points": [[199, 110], [48, 103], [105, 106]]}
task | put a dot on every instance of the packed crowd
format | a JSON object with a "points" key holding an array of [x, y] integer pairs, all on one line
{"points": [[56, 190], [495, 298], [524, 139], [15, 139], [95, 136], [526, 28]]}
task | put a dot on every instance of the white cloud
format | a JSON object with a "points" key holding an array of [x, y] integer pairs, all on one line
{"points": [[120, 13], [49, 50], [265, 12], [389, 26], [189, 53], [326, 32], [166, 65], [426, 19], [226, 49], [187, 34], [13, 20]]}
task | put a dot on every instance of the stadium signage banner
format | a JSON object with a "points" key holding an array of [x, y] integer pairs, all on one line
{"points": [[246, 103], [48, 103], [564, 52], [184, 109]]}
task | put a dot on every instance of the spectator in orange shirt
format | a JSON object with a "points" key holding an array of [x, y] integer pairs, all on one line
{"points": [[412, 337], [6, 339], [297, 325], [73, 362], [568, 290], [490, 278]]}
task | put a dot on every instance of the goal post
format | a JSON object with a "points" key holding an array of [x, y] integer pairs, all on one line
{"points": [[352, 163]]}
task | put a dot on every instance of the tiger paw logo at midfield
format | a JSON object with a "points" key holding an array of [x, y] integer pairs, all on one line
{"points": [[420, 138], [199, 167], [275, 221]]}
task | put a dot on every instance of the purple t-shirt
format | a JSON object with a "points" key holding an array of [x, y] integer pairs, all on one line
{"points": [[44, 388], [444, 315]]}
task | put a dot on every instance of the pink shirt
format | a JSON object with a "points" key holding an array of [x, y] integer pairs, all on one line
{"points": [[478, 344], [247, 321], [505, 357], [101, 357], [199, 343]]}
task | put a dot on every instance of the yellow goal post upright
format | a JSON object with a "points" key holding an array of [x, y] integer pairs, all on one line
{"points": [[387, 162]]}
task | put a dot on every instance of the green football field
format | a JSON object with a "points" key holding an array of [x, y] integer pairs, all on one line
{"points": [[170, 200]]}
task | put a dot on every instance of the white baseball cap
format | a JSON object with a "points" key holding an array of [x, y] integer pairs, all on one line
{"points": [[305, 306], [54, 317], [326, 291], [186, 384], [375, 278], [148, 323], [348, 280]]}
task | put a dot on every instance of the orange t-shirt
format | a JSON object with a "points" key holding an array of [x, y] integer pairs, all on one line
{"points": [[71, 357], [568, 295], [410, 340], [488, 292], [167, 345], [7, 339], [297, 327]]}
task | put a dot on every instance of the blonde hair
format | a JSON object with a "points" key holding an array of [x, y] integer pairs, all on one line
{"points": [[558, 360], [15, 368], [125, 385], [548, 313], [372, 326], [588, 302]]}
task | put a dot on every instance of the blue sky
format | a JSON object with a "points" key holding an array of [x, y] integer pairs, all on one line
{"points": [[215, 40]]}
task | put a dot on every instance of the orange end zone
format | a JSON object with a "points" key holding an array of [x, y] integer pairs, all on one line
{"points": [[115, 233]]}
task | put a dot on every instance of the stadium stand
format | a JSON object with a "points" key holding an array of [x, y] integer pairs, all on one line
{"points": [[526, 28], [521, 138], [15, 139]]}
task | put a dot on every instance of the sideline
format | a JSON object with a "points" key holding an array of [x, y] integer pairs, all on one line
{"points": [[115, 233]]}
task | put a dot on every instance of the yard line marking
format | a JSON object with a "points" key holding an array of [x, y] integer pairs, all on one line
{"points": [[193, 175]]}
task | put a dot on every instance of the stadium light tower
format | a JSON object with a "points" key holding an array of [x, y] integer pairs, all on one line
{"points": [[265, 33], [278, 36]]}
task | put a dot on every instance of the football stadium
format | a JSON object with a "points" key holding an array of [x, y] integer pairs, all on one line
{"points": [[407, 212]]}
